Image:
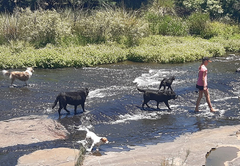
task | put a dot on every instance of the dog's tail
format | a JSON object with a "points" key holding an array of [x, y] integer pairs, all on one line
{"points": [[82, 128], [55, 102], [6, 73], [140, 90]]}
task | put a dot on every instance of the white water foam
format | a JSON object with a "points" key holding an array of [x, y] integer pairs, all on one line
{"points": [[154, 77], [154, 115], [109, 91]]}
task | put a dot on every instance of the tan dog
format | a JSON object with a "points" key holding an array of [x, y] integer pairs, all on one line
{"points": [[20, 75]]}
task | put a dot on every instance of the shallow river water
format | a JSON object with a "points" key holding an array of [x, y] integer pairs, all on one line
{"points": [[114, 104]]}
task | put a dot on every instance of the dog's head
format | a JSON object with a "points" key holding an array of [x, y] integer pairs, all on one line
{"points": [[30, 69], [86, 91], [172, 78], [104, 140], [171, 94]]}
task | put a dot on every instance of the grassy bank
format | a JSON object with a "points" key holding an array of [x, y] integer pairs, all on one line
{"points": [[158, 49], [68, 38]]}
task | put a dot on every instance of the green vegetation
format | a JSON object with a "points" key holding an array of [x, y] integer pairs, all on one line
{"points": [[81, 156], [75, 38]]}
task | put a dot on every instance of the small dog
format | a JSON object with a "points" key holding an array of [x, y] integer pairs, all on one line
{"points": [[158, 96], [72, 98], [20, 75], [94, 140], [167, 82]]}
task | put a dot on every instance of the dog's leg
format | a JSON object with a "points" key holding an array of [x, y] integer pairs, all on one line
{"points": [[90, 149], [75, 109], [158, 105], [166, 103], [59, 111], [147, 105], [12, 80], [83, 107], [164, 87], [65, 107], [169, 87]]}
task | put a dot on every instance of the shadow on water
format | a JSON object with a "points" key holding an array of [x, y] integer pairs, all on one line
{"points": [[113, 106]]}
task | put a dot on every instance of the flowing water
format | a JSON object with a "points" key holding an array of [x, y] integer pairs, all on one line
{"points": [[114, 104]]}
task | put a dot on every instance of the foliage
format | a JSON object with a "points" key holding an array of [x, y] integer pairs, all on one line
{"points": [[155, 48], [20, 56], [38, 27], [81, 156], [214, 29], [167, 25], [110, 24], [197, 23], [174, 50]]}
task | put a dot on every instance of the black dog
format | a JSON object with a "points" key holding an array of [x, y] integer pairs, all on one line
{"points": [[158, 96], [167, 82], [72, 98]]}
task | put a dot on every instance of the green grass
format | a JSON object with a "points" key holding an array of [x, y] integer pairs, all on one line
{"points": [[158, 49]]}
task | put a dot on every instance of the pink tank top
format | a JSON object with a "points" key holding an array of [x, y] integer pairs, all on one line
{"points": [[200, 75]]}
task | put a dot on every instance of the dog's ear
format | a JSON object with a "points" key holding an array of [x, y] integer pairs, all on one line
{"points": [[104, 139]]}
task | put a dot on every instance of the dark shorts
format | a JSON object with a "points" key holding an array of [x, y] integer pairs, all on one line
{"points": [[199, 87]]}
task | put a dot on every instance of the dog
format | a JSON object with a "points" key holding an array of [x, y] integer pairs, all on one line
{"points": [[158, 96], [71, 98], [167, 82], [20, 75], [93, 140]]}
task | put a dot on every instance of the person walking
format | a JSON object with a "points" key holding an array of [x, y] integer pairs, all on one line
{"points": [[202, 84]]}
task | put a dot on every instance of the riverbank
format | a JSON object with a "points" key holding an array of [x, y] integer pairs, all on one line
{"points": [[186, 150], [154, 49]]}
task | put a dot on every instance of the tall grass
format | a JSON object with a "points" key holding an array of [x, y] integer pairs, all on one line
{"points": [[51, 39], [110, 24]]}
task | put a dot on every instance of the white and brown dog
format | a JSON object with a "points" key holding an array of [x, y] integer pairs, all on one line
{"points": [[94, 140], [20, 75]]}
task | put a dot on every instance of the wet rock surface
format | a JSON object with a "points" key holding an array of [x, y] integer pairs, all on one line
{"points": [[56, 156], [30, 129], [188, 149], [35, 140]]}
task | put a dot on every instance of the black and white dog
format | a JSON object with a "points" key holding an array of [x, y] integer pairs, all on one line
{"points": [[93, 140], [71, 98]]}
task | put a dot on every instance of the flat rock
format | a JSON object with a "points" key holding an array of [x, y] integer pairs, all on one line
{"points": [[187, 150], [56, 156], [30, 129]]}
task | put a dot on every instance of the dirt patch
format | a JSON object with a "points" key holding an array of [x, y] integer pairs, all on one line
{"points": [[30, 129], [188, 149]]}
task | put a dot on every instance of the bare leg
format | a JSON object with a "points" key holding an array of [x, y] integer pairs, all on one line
{"points": [[206, 93], [200, 94]]}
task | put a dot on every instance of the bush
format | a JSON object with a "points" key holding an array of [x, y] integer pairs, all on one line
{"points": [[114, 25], [38, 27], [58, 57], [174, 50], [166, 25], [197, 23], [214, 29]]}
